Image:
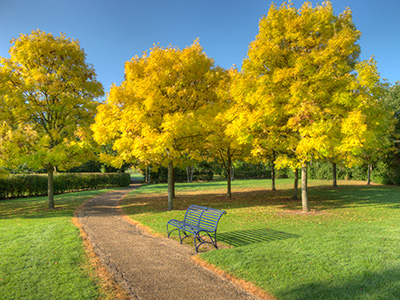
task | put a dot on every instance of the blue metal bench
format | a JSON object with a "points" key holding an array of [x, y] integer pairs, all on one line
{"points": [[198, 220]]}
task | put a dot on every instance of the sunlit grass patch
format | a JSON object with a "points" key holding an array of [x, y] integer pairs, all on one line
{"points": [[41, 252]]}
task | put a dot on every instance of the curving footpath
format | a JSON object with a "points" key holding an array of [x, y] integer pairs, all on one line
{"points": [[148, 267]]}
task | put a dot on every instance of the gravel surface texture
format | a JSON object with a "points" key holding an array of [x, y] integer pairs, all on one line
{"points": [[148, 267]]}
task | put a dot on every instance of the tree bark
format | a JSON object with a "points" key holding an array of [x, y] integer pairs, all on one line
{"points": [[334, 175], [304, 196], [228, 177], [173, 182], [50, 185], [189, 173], [273, 176], [148, 175], [170, 185], [296, 183], [369, 174], [273, 187]]}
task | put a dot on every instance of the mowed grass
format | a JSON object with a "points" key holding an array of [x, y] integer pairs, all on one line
{"points": [[346, 248], [41, 252]]}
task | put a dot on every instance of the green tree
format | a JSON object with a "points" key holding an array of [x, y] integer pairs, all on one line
{"points": [[392, 99], [392, 161], [47, 100]]}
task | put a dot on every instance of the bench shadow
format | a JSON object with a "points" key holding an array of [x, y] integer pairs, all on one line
{"points": [[253, 236]]}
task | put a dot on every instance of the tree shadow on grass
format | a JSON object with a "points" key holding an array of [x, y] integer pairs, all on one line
{"points": [[361, 285], [138, 203], [180, 187], [326, 197], [322, 198], [253, 236], [37, 207]]}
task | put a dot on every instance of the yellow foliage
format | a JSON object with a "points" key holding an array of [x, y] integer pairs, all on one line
{"points": [[302, 92], [154, 115], [47, 94]]}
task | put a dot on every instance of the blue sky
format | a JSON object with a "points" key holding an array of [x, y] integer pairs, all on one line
{"points": [[112, 32]]}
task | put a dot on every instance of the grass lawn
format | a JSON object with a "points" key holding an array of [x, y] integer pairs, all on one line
{"points": [[346, 248], [41, 252]]}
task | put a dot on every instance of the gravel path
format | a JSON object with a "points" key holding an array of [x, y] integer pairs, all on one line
{"points": [[148, 267]]}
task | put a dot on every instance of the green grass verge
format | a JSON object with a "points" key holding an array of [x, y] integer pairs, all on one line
{"points": [[41, 252], [346, 248]]}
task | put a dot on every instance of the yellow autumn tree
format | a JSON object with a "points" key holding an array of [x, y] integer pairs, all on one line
{"points": [[261, 122], [220, 142], [370, 124], [153, 116], [301, 67], [47, 93]]}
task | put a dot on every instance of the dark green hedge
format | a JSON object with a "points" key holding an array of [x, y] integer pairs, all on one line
{"points": [[36, 185], [202, 172], [245, 170]]}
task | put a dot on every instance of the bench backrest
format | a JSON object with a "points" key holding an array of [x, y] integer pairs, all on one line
{"points": [[204, 217]]}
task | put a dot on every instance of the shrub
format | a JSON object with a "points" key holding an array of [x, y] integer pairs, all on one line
{"points": [[246, 170], [15, 186], [201, 172]]}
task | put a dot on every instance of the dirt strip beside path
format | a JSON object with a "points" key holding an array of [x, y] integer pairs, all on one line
{"points": [[148, 267]]}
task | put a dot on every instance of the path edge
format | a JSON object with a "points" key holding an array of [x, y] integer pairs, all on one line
{"points": [[108, 285], [134, 222], [243, 284]]}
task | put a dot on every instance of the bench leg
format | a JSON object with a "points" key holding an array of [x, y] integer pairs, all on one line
{"points": [[198, 240], [195, 244], [213, 241], [169, 232], [198, 237], [186, 235]]}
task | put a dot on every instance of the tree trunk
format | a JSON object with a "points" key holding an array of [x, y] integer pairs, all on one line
{"points": [[232, 173], [189, 173], [304, 196], [149, 179], [148, 174], [228, 177], [369, 174], [296, 183], [273, 176], [170, 185], [50, 185], [273, 171], [334, 175], [173, 182]]}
